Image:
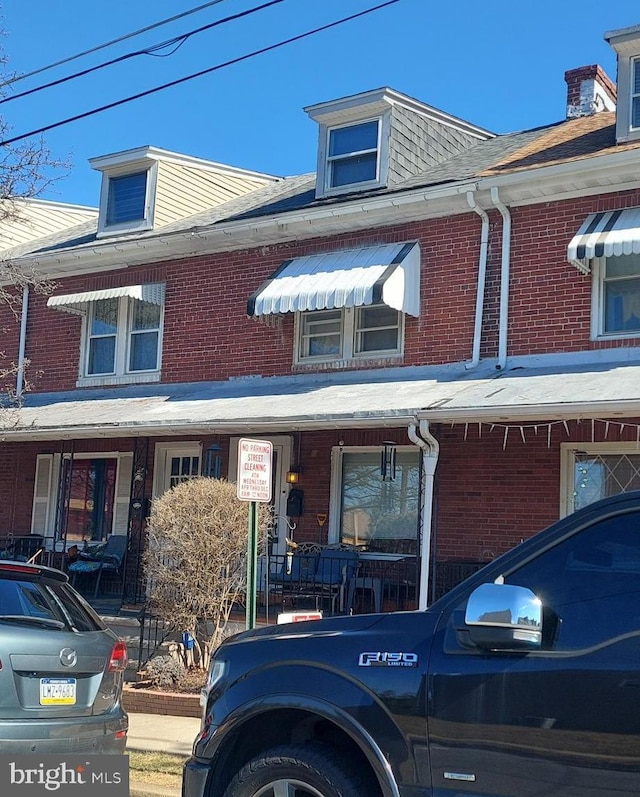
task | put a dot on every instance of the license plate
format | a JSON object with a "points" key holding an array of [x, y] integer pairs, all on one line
{"points": [[57, 691]]}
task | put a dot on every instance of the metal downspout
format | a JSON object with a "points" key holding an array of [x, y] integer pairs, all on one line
{"points": [[504, 278], [482, 274], [23, 342], [422, 437]]}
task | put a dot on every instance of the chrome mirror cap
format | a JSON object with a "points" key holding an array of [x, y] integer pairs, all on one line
{"points": [[504, 616]]}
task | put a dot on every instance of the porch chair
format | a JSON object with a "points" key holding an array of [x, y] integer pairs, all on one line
{"points": [[96, 559], [296, 572], [335, 569]]}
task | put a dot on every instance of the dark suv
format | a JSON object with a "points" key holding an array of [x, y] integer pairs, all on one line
{"points": [[522, 681], [61, 668]]}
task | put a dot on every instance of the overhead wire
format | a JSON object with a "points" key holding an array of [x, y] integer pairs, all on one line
{"points": [[194, 75], [152, 50], [98, 47]]}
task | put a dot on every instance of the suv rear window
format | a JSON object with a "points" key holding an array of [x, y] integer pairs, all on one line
{"points": [[53, 601]]}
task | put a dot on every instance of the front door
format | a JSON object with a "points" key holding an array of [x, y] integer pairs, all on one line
{"points": [[91, 498], [562, 721], [175, 463]]}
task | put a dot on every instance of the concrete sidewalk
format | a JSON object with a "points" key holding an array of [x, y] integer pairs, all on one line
{"points": [[159, 733], [162, 733]]}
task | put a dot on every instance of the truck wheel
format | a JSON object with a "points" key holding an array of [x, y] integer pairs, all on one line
{"points": [[298, 771]]}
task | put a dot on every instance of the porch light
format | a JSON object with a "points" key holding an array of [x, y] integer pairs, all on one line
{"points": [[388, 461], [293, 476]]}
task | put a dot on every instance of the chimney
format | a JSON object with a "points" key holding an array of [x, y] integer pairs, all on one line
{"points": [[589, 90]]}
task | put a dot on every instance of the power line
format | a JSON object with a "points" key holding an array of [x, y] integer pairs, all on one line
{"points": [[108, 44], [152, 50], [197, 74]]}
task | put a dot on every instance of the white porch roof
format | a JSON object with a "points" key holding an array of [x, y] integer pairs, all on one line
{"points": [[366, 399]]}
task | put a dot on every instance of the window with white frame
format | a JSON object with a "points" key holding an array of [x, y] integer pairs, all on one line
{"points": [[616, 308], [382, 515], [123, 337], [126, 198], [597, 470], [348, 333], [635, 94], [352, 154]]}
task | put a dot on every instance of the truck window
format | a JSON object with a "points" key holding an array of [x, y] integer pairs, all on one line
{"points": [[591, 581]]}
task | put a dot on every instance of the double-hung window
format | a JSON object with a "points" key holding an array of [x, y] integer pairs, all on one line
{"points": [[352, 154], [349, 333], [635, 94], [123, 337], [617, 296]]}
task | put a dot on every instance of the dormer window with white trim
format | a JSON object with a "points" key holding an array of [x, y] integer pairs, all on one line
{"points": [[126, 199], [352, 156], [635, 96], [128, 193], [353, 153], [380, 138], [626, 43]]}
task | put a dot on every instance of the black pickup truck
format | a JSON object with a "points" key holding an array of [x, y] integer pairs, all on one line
{"points": [[523, 681]]}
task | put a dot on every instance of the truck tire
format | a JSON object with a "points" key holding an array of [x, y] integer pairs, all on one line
{"points": [[298, 771]]}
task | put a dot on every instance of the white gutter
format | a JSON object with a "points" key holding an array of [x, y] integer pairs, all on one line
{"points": [[505, 413], [23, 342], [482, 273], [31, 430], [422, 437], [504, 278]]}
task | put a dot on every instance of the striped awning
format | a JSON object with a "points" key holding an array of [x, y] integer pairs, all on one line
{"points": [[615, 232], [77, 303], [386, 274]]}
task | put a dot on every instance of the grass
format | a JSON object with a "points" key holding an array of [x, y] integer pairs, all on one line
{"points": [[159, 769]]}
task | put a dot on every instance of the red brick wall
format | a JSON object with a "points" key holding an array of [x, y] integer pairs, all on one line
{"points": [[207, 335], [489, 493], [149, 701]]}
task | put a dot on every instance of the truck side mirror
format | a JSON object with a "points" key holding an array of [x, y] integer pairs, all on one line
{"points": [[504, 617]]}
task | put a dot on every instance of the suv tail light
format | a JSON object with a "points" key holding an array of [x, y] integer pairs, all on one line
{"points": [[118, 660]]}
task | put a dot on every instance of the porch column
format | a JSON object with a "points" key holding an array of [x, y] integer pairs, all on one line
{"points": [[420, 435]]}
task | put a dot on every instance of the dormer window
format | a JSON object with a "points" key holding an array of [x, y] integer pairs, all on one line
{"points": [[353, 154], [635, 95], [127, 202], [126, 198], [128, 194], [626, 43], [379, 138]]}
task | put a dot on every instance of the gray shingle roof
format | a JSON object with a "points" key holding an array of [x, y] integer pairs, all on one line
{"points": [[567, 140]]}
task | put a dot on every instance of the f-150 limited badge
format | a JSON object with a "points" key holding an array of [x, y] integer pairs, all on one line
{"points": [[386, 658]]}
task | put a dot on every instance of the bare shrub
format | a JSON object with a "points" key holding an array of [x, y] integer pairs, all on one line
{"points": [[164, 672], [196, 559]]}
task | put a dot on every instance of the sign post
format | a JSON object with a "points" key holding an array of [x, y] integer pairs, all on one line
{"points": [[255, 459]]}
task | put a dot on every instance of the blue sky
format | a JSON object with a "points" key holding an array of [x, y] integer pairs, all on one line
{"points": [[499, 64]]}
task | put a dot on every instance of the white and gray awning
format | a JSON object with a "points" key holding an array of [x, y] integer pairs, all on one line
{"points": [[615, 232], [387, 274], [77, 303]]}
